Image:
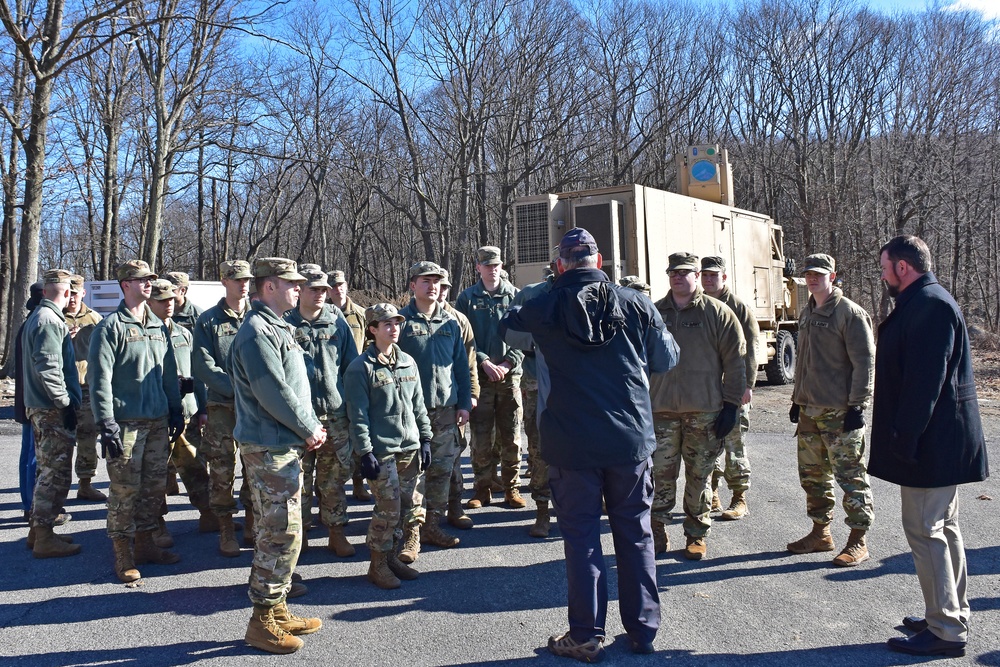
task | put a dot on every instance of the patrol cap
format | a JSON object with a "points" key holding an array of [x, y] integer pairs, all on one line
{"points": [[713, 263], [134, 268], [337, 277], [236, 269], [265, 267], [425, 268], [488, 255], [382, 312], [178, 278], [683, 260], [56, 276], [820, 263], [577, 243], [76, 283], [636, 283], [162, 290], [315, 277], [445, 278]]}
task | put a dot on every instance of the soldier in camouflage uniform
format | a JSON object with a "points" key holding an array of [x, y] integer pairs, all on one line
{"points": [[325, 337], [81, 321], [132, 373], [213, 335], [834, 377], [186, 313], [391, 434], [51, 398], [434, 339], [275, 424], [733, 464], [695, 405], [499, 405]]}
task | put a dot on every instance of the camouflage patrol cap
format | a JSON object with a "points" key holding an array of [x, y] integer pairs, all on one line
{"points": [[162, 290], [425, 269], [576, 244], [713, 263], [76, 283], [488, 255], [382, 312], [236, 269], [280, 267], [315, 277], [820, 263], [134, 268], [445, 278], [636, 283], [56, 276], [337, 277], [178, 278], [680, 261]]}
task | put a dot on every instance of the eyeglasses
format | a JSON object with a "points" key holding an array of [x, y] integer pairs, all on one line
{"points": [[147, 279], [679, 272]]}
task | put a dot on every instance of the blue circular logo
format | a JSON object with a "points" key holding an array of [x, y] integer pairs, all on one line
{"points": [[703, 170]]}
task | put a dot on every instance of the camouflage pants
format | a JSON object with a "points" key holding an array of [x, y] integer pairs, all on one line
{"points": [[185, 454], [276, 493], [86, 439], [395, 495], [688, 437], [457, 478], [139, 478], [54, 454], [333, 469], [499, 407], [826, 454], [539, 483], [733, 463], [434, 485], [220, 454]]}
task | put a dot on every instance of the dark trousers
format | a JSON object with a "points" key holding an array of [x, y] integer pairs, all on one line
{"points": [[27, 467], [628, 493]]}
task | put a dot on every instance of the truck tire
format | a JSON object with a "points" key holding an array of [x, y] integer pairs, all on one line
{"points": [[781, 368]]}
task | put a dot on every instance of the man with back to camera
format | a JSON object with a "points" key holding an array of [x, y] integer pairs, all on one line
{"points": [[599, 342], [927, 437]]}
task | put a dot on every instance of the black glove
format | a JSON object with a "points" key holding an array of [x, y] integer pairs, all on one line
{"points": [[726, 420], [370, 467], [793, 414], [111, 440], [186, 386], [69, 418], [176, 426], [425, 455], [854, 419]]}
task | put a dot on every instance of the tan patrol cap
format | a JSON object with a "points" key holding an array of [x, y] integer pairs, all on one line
{"points": [[265, 267], [683, 260], [426, 269], [236, 269], [488, 255], [76, 283], [713, 263], [162, 290], [445, 278], [135, 268], [382, 312], [56, 276], [820, 263], [636, 283], [315, 277], [337, 277], [178, 278]]}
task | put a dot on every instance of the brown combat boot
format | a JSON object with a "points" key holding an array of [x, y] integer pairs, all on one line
{"points": [[30, 543], [172, 487], [542, 521], [661, 541], [856, 550], [695, 548], [379, 572], [819, 539], [264, 633], [124, 563], [49, 545], [338, 543], [359, 492], [457, 516], [513, 498], [146, 550], [293, 624], [398, 567], [716, 501], [161, 536], [86, 491], [411, 543], [228, 546], [207, 521], [249, 537], [432, 534], [481, 498], [737, 508]]}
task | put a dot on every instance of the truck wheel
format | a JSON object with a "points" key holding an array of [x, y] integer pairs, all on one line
{"points": [[781, 368]]}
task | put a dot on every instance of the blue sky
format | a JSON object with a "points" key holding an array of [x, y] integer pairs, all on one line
{"points": [[989, 8]]}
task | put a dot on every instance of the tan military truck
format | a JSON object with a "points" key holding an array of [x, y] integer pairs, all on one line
{"points": [[637, 227]]}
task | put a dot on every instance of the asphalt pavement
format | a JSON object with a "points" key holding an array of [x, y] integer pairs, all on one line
{"points": [[497, 597]]}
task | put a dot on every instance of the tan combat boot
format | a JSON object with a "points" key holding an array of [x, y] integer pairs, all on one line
{"points": [[124, 563], [737, 508], [161, 536], [293, 624], [457, 516], [432, 534], [481, 498], [338, 543], [48, 545], [695, 548], [379, 572], [716, 501], [819, 539], [207, 521], [411, 543], [398, 567], [542, 521], [513, 499], [228, 546], [86, 491], [30, 543], [249, 537], [146, 550], [263, 632], [661, 542], [856, 550], [360, 492]]}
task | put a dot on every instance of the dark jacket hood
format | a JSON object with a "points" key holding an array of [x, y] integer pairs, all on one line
{"points": [[591, 316]]}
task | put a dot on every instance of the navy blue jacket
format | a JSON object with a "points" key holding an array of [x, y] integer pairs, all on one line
{"points": [[600, 342], [926, 430]]}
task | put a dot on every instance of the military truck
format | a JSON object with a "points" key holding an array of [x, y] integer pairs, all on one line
{"points": [[637, 227]]}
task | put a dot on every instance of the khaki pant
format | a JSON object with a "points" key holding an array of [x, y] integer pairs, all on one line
{"points": [[139, 478]]}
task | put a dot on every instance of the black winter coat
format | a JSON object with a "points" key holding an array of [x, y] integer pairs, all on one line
{"points": [[926, 430]]}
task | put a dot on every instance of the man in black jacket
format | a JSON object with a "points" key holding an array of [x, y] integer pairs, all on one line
{"points": [[927, 438]]}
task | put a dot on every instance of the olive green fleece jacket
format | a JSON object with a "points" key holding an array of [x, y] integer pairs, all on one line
{"points": [[712, 365], [182, 341], [51, 379], [835, 362], [131, 369], [385, 404], [328, 344], [435, 343], [469, 339], [213, 335], [86, 319], [187, 315], [273, 398], [484, 311], [751, 330]]}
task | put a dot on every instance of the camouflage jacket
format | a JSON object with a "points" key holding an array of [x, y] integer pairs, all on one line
{"points": [[87, 320], [328, 344], [484, 311], [435, 343], [213, 335], [751, 331], [355, 316], [50, 376]]}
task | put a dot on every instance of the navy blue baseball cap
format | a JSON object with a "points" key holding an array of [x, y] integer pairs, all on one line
{"points": [[577, 243]]}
